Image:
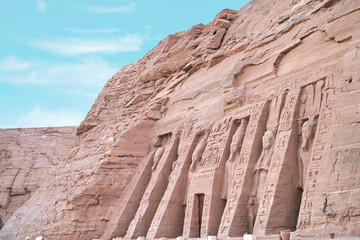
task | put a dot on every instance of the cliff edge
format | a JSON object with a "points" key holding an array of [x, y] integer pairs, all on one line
{"points": [[250, 123]]}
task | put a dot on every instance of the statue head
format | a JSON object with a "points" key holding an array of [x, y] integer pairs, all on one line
{"points": [[237, 139], [307, 131], [268, 139], [239, 135]]}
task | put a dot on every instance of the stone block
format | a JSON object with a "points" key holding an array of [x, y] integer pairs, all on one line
{"points": [[222, 23], [249, 237]]}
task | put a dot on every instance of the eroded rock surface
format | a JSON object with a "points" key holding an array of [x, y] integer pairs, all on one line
{"points": [[28, 157], [264, 102]]}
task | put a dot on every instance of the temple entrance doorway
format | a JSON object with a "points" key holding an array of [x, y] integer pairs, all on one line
{"points": [[200, 198]]}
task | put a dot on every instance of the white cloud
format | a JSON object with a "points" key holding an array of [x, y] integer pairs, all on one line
{"points": [[122, 9], [76, 46], [83, 78], [92, 31], [41, 5], [41, 117], [12, 63]]}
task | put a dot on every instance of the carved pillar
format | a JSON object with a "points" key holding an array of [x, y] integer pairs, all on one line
{"points": [[234, 219], [163, 160], [282, 152], [130, 200], [312, 200], [192, 222], [230, 164], [261, 168], [169, 217], [208, 181]]}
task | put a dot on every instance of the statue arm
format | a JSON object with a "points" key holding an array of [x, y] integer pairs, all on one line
{"points": [[268, 158]]}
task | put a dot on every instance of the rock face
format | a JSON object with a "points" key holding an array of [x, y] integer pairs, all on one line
{"points": [[250, 123], [27, 158]]}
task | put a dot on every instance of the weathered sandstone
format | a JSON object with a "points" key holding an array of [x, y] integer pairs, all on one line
{"points": [[250, 123], [28, 157]]}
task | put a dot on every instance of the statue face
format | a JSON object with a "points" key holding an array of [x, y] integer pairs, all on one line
{"points": [[267, 140], [307, 130]]}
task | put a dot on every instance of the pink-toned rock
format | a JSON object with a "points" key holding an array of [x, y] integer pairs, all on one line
{"points": [[29, 156], [228, 14], [222, 23], [217, 38], [248, 128]]}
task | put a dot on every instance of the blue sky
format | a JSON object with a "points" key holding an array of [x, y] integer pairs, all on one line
{"points": [[55, 56]]}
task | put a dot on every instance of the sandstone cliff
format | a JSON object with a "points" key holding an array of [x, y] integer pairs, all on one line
{"points": [[27, 158], [250, 123]]}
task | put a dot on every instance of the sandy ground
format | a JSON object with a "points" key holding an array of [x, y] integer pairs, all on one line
{"points": [[276, 237]]}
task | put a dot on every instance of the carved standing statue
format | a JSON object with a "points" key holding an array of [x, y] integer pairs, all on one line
{"points": [[309, 111], [159, 151], [158, 154], [260, 171], [304, 152], [252, 210], [235, 147], [195, 159], [199, 149]]}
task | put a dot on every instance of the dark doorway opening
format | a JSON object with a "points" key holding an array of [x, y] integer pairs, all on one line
{"points": [[200, 198]]}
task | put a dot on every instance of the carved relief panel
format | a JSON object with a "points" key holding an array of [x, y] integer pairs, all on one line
{"points": [[310, 103], [280, 143], [230, 164], [261, 168], [215, 144], [164, 154], [296, 140], [234, 216], [192, 212], [310, 194], [192, 140]]}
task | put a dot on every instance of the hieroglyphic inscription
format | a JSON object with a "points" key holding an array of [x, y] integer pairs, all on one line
{"points": [[345, 169], [282, 141], [231, 205], [317, 155], [247, 110], [286, 118], [205, 214], [188, 215], [204, 174], [271, 91], [170, 201], [215, 144]]}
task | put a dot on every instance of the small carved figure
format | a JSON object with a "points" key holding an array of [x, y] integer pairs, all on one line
{"points": [[261, 169], [252, 211], [304, 152], [262, 165]]}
